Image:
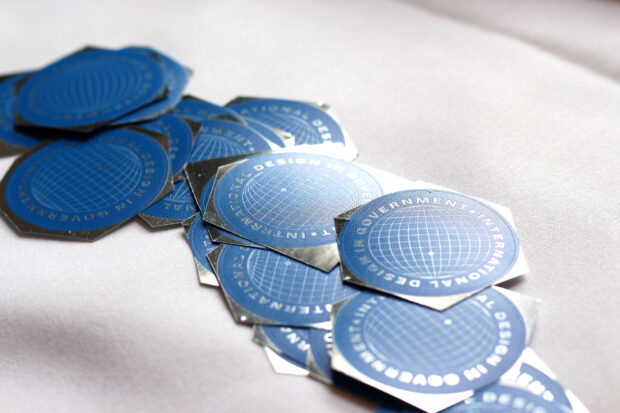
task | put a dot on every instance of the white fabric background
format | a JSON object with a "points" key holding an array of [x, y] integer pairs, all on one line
{"points": [[516, 102]]}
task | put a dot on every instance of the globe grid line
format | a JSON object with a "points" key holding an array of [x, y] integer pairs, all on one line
{"points": [[72, 160], [258, 198], [209, 146], [406, 255], [85, 89], [254, 199], [295, 283], [473, 345], [437, 273], [420, 245]]}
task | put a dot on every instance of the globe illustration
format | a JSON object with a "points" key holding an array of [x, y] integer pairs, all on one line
{"points": [[430, 242], [286, 280], [299, 197], [87, 178], [92, 81], [431, 342]]}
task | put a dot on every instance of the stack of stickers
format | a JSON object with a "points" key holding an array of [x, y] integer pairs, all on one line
{"points": [[412, 308], [348, 274], [101, 145]]}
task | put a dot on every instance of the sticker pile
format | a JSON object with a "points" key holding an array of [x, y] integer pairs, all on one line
{"points": [[348, 274]]}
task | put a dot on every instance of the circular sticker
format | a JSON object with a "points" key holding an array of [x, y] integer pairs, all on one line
{"points": [[291, 199], [266, 132], [90, 88], [72, 186], [542, 385], [278, 288], [8, 133], [291, 343], [200, 242], [504, 399], [307, 123], [428, 243], [221, 138], [321, 346], [180, 138], [176, 78], [201, 110], [418, 349], [178, 205]]}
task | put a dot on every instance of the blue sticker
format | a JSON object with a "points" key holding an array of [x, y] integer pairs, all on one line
{"points": [[71, 186], [177, 78], [307, 123], [278, 288], [291, 199], [504, 399], [418, 349], [178, 205], [220, 138], [180, 138], [320, 346], [8, 133], [542, 385], [201, 110], [200, 242], [428, 243], [90, 88], [266, 132], [292, 343]]}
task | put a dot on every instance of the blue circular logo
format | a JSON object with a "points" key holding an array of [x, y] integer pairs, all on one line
{"points": [[428, 243], [414, 348], [292, 343], [504, 399], [71, 186], [307, 123], [221, 138], [89, 88], [278, 288], [178, 205], [200, 242], [291, 199], [8, 133], [180, 138]]}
